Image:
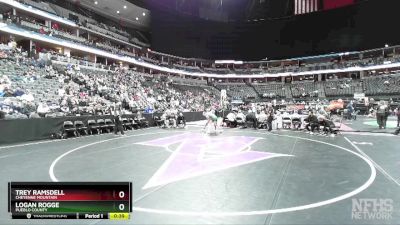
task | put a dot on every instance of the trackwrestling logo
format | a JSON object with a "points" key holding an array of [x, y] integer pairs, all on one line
{"points": [[371, 209], [199, 154]]}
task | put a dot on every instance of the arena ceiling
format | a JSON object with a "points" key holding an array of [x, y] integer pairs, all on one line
{"points": [[119, 10], [225, 10], [140, 3]]}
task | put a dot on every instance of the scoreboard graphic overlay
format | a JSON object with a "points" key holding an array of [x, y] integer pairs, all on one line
{"points": [[70, 200]]}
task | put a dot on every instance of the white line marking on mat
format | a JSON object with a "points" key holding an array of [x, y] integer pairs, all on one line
{"points": [[363, 143], [51, 169], [379, 168], [252, 213], [57, 140]]}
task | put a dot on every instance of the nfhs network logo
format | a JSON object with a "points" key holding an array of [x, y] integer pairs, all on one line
{"points": [[372, 209]]}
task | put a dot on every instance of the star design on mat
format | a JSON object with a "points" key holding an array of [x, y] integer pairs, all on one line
{"points": [[199, 154]]}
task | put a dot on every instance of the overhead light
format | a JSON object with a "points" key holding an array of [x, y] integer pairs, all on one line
{"points": [[95, 2], [228, 62], [144, 14], [386, 46], [118, 12], [137, 18], [124, 6]]}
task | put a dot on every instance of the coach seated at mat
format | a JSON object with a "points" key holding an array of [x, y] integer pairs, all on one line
{"points": [[312, 122], [326, 124], [169, 118], [231, 119], [262, 117], [240, 115], [240, 118], [251, 119], [180, 120]]}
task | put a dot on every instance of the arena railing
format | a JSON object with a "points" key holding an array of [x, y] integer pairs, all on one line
{"points": [[152, 65], [294, 70], [39, 12]]}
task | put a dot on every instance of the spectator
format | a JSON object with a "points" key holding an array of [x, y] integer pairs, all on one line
{"points": [[43, 109], [270, 118], [381, 114], [397, 111]]}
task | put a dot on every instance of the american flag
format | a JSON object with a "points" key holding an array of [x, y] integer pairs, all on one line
{"points": [[306, 6]]}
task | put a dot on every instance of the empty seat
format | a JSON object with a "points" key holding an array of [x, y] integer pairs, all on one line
{"points": [[126, 124], [80, 127], [102, 125], [93, 127], [109, 124], [286, 122], [68, 129]]}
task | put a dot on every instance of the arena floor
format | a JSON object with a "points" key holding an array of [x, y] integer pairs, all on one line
{"points": [[242, 176]]}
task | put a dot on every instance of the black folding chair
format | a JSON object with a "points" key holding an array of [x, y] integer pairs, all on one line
{"points": [[93, 127], [135, 125], [286, 122], [109, 125], [296, 122], [158, 122], [126, 124], [68, 129], [143, 123], [80, 127], [102, 125]]}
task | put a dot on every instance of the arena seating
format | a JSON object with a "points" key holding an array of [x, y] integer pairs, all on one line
{"points": [[197, 90], [61, 89], [239, 90], [305, 89], [156, 59], [72, 85], [40, 5], [101, 28], [273, 90], [383, 85], [111, 31], [342, 88]]}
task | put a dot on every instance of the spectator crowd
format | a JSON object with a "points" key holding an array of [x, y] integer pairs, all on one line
{"points": [[32, 88]]}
